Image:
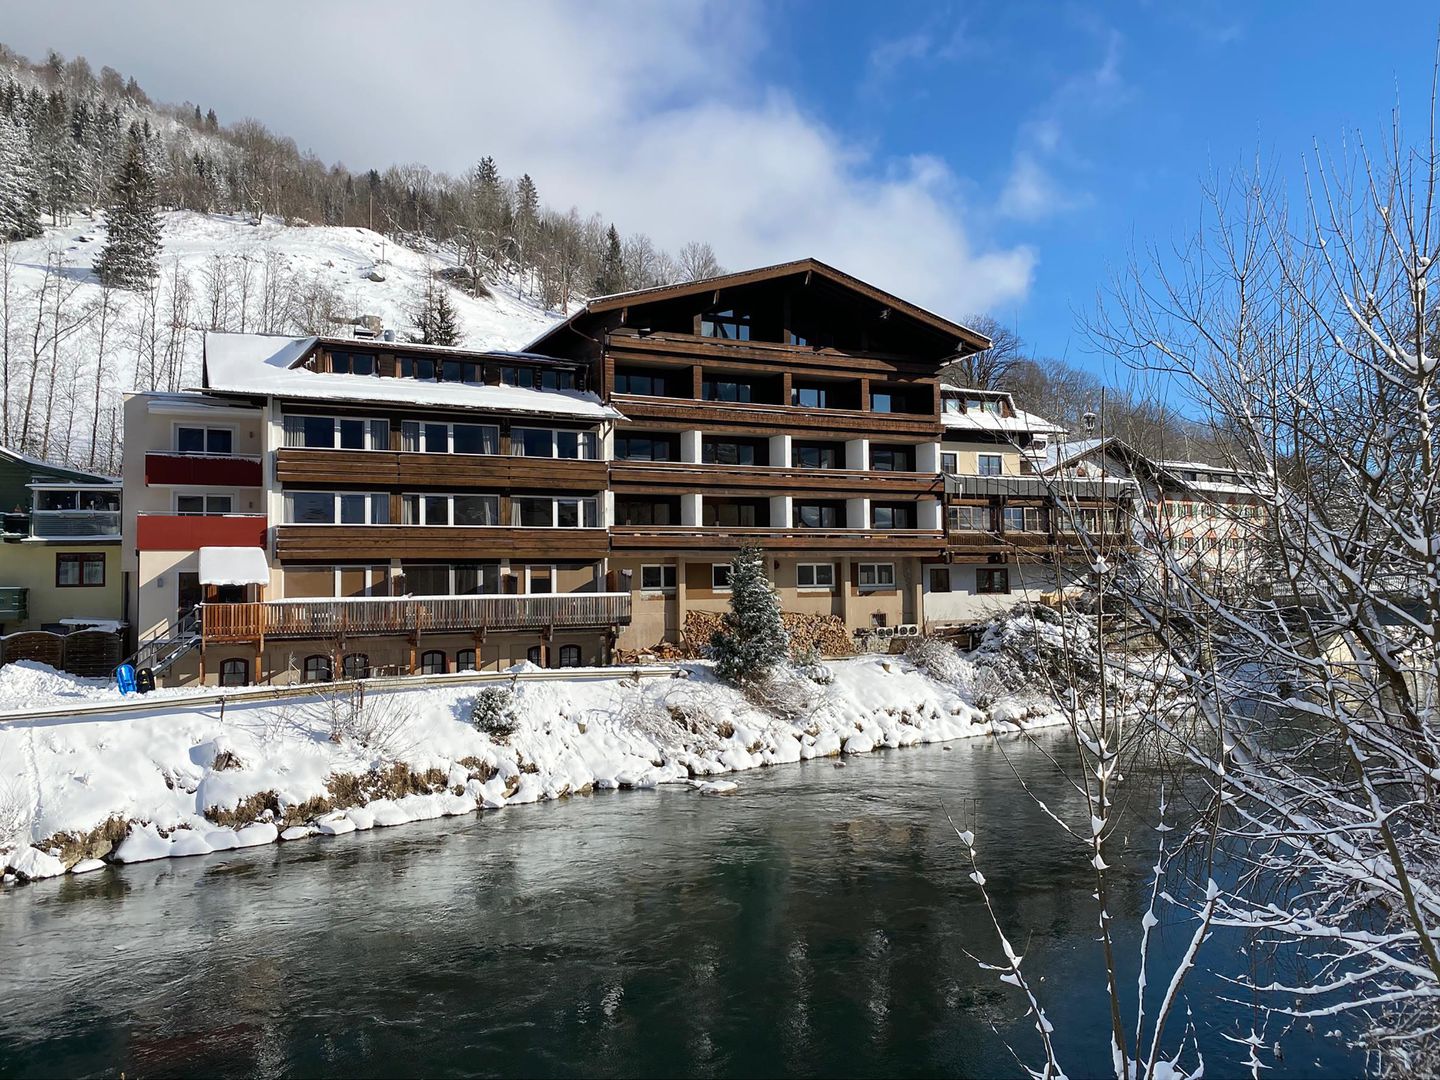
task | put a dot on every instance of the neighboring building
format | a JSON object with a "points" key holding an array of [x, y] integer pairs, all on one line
{"points": [[793, 407], [60, 564], [1209, 516], [343, 506], [1010, 530]]}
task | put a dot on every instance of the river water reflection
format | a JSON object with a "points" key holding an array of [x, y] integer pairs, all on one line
{"points": [[815, 923]]}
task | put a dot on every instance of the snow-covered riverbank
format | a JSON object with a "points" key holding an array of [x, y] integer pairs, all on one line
{"points": [[205, 777]]}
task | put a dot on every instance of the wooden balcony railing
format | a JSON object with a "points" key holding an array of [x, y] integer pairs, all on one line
{"points": [[693, 537], [411, 614]]}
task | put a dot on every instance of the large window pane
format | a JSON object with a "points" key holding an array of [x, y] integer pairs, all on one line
{"points": [[190, 440], [352, 509], [567, 513], [477, 510], [437, 509], [536, 513], [311, 507], [379, 508], [437, 439], [352, 434], [532, 442], [219, 441], [477, 439], [427, 580]]}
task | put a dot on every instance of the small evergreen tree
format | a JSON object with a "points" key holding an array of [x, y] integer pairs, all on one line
{"points": [[611, 278], [132, 246], [436, 320], [19, 192], [754, 640]]}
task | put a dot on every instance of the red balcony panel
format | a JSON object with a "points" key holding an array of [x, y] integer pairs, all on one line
{"points": [[189, 532], [161, 468]]}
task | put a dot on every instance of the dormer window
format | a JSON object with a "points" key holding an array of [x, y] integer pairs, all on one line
{"points": [[352, 363], [417, 367], [730, 324], [988, 405]]}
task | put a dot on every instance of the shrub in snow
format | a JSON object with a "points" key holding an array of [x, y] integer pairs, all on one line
{"points": [[1038, 644], [16, 815], [939, 660], [493, 713], [376, 723], [754, 639], [809, 665], [783, 692]]}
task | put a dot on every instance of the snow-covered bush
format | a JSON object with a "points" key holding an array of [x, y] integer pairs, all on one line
{"points": [[782, 691], [378, 724], [813, 668], [1036, 642], [754, 639], [938, 659], [16, 815], [493, 713]]}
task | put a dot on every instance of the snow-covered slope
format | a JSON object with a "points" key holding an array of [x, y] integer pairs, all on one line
{"points": [[218, 272]]}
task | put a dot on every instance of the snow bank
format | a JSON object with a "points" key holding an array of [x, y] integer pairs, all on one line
{"points": [[196, 780]]}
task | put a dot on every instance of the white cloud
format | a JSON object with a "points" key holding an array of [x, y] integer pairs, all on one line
{"points": [[659, 115]]}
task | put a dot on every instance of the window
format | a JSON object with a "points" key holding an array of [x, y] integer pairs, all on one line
{"points": [[234, 672], [939, 579], [652, 383], [949, 462], [477, 510], [465, 660], [727, 390], [733, 452], [985, 405], [432, 662], [554, 513], [990, 464], [328, 507], [731, 324], [557, 379], [991, 580], [819, 515], [737, 514], [328, 432], [417, 367], [352, 363], [645, 448], [475, 578], [427, 580], [1022, 519], [814, 456], [462, 371], [810, 397], [969, 518], [720, 576], [542, 580], [882, 401], [355, 665], [637, 510], [892, 459], [475, 439], [543, 442], [80, 571], [203, 440], [203, 504], [892, 516], [815, 576], [876, 575], [569, 655], [317, 669], [951, 405], [523, 377], [657, 577]]}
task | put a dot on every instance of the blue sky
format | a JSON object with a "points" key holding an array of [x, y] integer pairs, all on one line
{"points": [[971, 156]]}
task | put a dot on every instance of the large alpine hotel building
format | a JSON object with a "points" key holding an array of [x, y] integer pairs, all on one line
{"points": [[337, 506]]}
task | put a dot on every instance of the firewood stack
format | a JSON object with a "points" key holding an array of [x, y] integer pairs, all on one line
{"points": [[825, 633]]}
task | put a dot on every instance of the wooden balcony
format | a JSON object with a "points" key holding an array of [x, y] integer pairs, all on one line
{"points": [[877, 542], [753, 419], [370, 616], [974, 545], [326, 543], [296, 467], [676, 478]]}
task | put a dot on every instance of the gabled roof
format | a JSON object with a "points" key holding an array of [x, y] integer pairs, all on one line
{"points": [[963, 335], [1018, 423], [65, 473], [271, 366]]}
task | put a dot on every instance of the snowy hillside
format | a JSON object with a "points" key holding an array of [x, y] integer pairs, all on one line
{"points": [[217, 272]]}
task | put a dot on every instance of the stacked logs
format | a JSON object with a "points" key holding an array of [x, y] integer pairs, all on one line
{"points": [[826, 634]]}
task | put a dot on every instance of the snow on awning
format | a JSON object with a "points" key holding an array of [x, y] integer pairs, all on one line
{"points": [[233, 566]]}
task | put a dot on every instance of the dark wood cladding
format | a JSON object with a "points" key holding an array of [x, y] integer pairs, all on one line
{"points": [[877, 542], [776, 419], [648, 477], [322, 543], [671, 350], [413, 471]]}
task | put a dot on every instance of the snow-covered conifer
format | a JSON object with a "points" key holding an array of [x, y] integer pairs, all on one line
{"points": [[436, 320], [19, 193], [132, 248], [754, 640]]}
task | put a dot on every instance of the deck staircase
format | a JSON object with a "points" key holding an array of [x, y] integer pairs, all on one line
{"points": [[160, 651]]}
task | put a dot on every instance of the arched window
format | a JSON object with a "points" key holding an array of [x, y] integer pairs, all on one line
{"points": [[465, 660], [234, 673], [432, 662], [356, 665], [533, 654], [569, 655], [317, 669]]}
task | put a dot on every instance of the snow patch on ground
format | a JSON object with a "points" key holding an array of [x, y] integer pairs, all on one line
{"points": [[158, 770]]}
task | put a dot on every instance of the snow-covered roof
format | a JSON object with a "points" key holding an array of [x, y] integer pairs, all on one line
{"points": [[264, 364], [1020, 423], [1064, 451], [85, 478], [233, 566]]}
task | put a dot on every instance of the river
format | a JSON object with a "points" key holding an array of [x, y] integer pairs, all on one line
{"points": [[817, 922]]}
